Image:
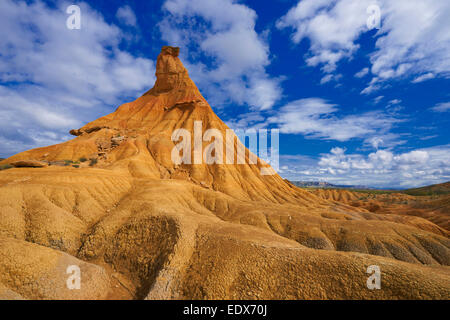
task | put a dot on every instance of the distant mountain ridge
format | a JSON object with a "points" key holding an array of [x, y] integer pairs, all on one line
{"points": [[323, 184], [435, 189]]}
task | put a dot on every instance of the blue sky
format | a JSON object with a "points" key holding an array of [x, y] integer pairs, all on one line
{"points": [[355, 105]]}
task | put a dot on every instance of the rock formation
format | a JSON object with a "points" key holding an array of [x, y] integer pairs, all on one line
{"points": [[29, 164], [144, 227]]}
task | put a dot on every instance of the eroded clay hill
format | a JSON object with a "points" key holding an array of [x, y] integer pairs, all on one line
{"points": [[433, 207], [140, 226]]}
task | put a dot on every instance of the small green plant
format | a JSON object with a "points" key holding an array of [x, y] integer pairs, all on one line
{"points": [[75, 166], [5, 166], [83, 159], [93, 162], [67, 162]]}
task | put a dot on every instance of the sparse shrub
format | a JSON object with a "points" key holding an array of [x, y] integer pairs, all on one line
{"points": [[5, 166], [93, 162], [83, 159], [67, 162], [75, 166]]}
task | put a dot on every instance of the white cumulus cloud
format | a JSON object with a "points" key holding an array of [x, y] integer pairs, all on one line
{"points": [[53, 79], [126, 15], [316, 118], [224, 32], [383, 168], [441, 107], [362, 73], [413, 39]]}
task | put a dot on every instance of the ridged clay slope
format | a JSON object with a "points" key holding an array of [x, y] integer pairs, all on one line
{"points": [[434, 208], [143, 227]]}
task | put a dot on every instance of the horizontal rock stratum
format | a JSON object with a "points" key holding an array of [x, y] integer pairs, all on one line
{"points": [[139, 226]]}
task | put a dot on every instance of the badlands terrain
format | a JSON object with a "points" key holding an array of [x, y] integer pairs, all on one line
{"points": [[112, 202], [431, 203]]}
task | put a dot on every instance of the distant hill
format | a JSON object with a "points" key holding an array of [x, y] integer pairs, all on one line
{"points": [[436, 189], [323, 184], [318, 184]]}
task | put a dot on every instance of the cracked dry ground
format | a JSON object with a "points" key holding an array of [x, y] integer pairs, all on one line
{"points": [[136, 238]]}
